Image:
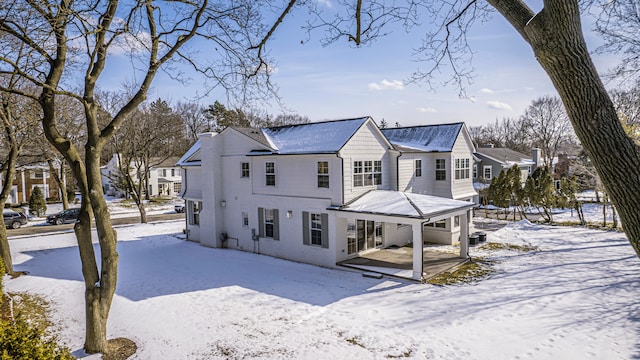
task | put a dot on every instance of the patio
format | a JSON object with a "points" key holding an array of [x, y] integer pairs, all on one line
{"points": [[399, 262]]}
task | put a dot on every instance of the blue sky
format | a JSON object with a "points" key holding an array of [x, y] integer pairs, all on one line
{"points": [[340, 81]]}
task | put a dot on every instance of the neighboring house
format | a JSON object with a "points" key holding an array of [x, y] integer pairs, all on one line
{"points": [[492, 161], [30, 176], [164, 177], [322, 193]]}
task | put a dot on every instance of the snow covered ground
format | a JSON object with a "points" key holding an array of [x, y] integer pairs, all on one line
{"points": [[117, 208], [573, 298]]}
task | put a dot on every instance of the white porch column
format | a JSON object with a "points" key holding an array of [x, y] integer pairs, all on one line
{"points": [[417, 250], [464, 234]]}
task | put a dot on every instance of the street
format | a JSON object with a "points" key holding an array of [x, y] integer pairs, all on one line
{"points": [[35, 230]]}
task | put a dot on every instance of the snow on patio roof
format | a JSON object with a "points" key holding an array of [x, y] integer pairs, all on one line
{"points": [[313, 138], [431, 138], [403, 204]]}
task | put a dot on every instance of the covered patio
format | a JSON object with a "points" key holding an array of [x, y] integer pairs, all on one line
{"points": [[414, 210], [399, 262]]}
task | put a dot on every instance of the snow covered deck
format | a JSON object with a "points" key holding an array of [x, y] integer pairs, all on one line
{"points": [[399, 262]]}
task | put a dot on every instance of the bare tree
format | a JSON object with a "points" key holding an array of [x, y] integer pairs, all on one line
{"points": [[65, 38], [19, 118], [619, 24], [547, 126], [194, 119]]}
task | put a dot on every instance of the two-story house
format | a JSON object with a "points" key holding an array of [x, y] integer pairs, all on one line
{"points": [[321, 193], [165, 179], [28, 177]]}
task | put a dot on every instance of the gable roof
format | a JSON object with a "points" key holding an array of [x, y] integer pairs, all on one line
{"points": [[254, 133], [404, 204], [429, 138], [191, 158], [504, 155], [312, 138]]}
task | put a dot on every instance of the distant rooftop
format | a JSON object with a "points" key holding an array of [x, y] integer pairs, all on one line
{"points": [[504, 155], [430, 138]]}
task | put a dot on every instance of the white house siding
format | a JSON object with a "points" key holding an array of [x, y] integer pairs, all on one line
{"points": [[406, 173], [462, 189], [192, 191], [441, 187], [296, 176], [290, 228], [366, 144]]}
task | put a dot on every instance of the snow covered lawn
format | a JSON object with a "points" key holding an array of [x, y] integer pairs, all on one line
{"points": [[576, 297]]}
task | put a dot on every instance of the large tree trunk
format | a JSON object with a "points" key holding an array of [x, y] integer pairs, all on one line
{"points": [[5, 250], [99, 296], [555, 35]]}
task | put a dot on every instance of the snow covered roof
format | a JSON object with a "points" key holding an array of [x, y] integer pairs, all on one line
{"points": [[404, 204], [188, 159], [505, 156], [312, 138], [430, 138]]}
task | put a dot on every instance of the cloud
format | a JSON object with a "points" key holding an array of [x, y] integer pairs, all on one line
{"points": [[486, 91], [498, 105], [386, 84], [326, 3], [427, 110]]}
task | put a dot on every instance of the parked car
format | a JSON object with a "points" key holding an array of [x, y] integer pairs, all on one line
{"points": [[179, 208], [14, 219], [64, 217]]}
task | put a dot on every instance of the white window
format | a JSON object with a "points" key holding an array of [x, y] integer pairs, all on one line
{"points": [[244, 170], [316, 229], [194, 208], [418, 168], [441, 169], [270, 170], [462, 169], [475, 171], [323, 174], [486, 172], [177, 187], [441, 224], [367, 173], [456, 221], [269, 223], [245, 219]]}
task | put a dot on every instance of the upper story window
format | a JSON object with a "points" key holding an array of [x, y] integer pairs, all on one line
{"points": [[270, 170], [486, 172], [323, 174], [418, 168], [441, 169], [244, 172], [173, 172], [475, 171], [462, 169], [367, 173]]}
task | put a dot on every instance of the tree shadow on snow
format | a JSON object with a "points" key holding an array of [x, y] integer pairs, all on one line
{"points": [[163, 265]]}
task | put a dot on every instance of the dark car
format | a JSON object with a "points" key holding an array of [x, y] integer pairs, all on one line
{"points": [[64, 217], [179, 208], [14, 219]]}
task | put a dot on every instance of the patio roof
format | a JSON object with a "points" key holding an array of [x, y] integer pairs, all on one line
{"points": [[403, 204]]}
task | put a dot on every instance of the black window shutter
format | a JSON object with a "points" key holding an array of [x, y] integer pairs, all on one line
{"points": [[325, 230], [305, 228], [260, 222], [276, 225]]}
